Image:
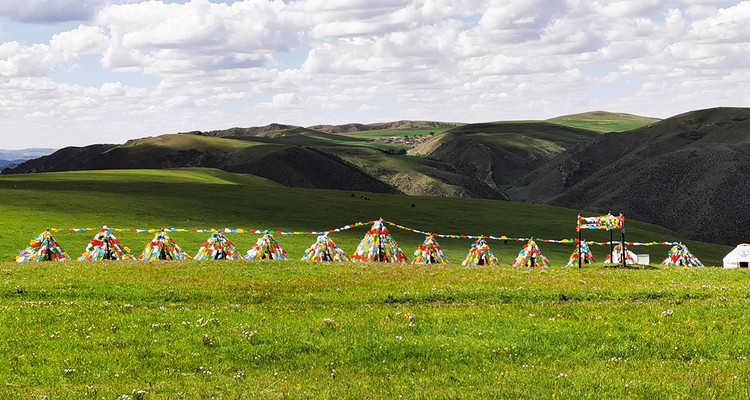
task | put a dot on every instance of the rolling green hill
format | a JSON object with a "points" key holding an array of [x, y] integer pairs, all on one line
{"points": [[602, 121], [209, 198], [349, 157]]}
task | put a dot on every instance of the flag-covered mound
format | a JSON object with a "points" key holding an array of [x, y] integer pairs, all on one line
{"points": [[585, 252], [105, 246], [429, 252], [630, 257], [531, 256], [217, 247], [266, 248], [378, 245], [680, 255], [43, 248], [324, 249], [480, 254], [162, 247]]}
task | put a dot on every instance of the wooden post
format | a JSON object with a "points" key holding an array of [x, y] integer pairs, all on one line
{"points": [[578, 228], [623, 247], [611, 247], [580, 249]]}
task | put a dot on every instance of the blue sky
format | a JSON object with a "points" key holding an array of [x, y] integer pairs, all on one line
{"points": [[104, 71]]}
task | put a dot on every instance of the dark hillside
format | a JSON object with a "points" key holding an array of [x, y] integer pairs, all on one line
{"points": [[499, 154], [687, 173]]}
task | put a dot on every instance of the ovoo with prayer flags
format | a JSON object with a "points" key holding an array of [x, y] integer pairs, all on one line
{"points": [[378, 245], [324, 249], [217, 247], [480, 254], [43, 248], [162, 247], [584, 252], [266, 248], [531, 256], [429, 252], [680, 255], [105, 246]]}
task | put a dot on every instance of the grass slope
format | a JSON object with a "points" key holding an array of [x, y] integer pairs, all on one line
{"points": [[204, 198], [602, 121]]}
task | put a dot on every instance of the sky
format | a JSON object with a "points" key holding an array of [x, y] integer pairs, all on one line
{"points": [[78, 72]]}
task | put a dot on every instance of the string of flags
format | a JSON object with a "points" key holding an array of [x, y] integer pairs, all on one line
{"points": [[608, 222], [376, 246], [355, 225]]}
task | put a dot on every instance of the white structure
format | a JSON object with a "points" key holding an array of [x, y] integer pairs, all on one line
{"points": [[643, 259], [738, 258], [630, 257]]}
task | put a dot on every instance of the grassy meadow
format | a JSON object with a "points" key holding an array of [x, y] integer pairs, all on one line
{"points": [[207, 198], [603, 122], [292, 329]]}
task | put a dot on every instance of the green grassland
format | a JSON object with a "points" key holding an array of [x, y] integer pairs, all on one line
{"points": [[601, 121], [207, 198], [290, 329], [297, 330]]}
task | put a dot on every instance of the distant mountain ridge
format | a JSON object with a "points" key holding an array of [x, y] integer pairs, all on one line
{"points": [[304, 157], [397, 125], [270, 130], [15, 157], [278, 130]]}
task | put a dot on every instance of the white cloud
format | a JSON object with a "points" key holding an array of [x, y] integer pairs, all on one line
{"points": [[82, 40], [161, 38], [286, 99], [50, 11], [139, 68], [17, 60]]}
